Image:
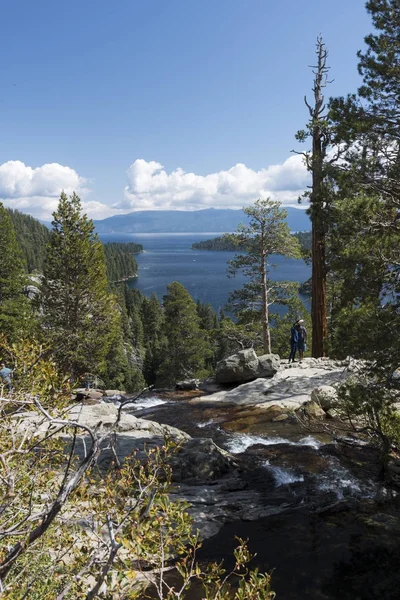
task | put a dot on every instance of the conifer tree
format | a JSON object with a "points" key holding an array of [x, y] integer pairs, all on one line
{"points": [[365, 245], [188, 346], [154, 338], [365, 237], [320, 130], [15, 312], [79, 315], [266, 234]]}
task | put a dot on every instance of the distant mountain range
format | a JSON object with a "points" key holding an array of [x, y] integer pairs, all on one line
{"points": [[216, 220]]}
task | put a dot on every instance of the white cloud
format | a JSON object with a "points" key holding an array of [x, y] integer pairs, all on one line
{"points": [[150, 187], [20, 181], [37, 191]]}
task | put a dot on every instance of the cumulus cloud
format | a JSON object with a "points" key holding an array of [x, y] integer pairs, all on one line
{"points": [[150, 187], [36, 191]]}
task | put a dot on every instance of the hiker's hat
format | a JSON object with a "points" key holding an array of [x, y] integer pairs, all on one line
{"points": [[300, 321]]}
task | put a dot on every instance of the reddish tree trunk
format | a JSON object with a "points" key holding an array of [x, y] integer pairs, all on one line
{"points": [[318, 298]]}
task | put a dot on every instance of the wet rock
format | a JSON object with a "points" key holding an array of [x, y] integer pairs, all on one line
{"points": [[188, 384], [200, 459], [89, 396], [393, 467], [245, 419], [326, 396], [292, 456], [246, 366]]}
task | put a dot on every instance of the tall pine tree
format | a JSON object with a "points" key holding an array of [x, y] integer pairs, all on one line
{"points": [[266, 234], [320, 131], [188, 346], [79, 314]]}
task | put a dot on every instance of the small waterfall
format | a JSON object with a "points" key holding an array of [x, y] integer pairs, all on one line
{"points": [[240, 442], [283, 476]]}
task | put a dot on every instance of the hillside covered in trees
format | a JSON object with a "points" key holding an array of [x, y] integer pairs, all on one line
{"points": [[32, 238], [231, 243]]}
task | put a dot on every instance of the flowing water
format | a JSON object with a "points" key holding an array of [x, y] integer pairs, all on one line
{"points": [[328, 538]]}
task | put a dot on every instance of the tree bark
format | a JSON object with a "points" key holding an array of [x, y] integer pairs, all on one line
{"points": [[266, 331], [265, 316], [318, 295]]}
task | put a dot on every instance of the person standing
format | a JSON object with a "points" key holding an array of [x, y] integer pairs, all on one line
{"points": [[6, 375], [294, 337], [302, 338]]}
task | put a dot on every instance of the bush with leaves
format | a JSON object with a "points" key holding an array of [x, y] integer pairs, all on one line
{"points": [[69, 530]]}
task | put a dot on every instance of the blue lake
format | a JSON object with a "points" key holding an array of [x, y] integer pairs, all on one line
{"points": [[168, 257]]}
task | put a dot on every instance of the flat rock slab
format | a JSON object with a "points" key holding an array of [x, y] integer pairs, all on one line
{"points": [[289, 388], [129, 425]]}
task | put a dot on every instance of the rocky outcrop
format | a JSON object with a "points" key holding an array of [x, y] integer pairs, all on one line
{"points": [[246, 366], [289, 388], [311, 410], [326, 396], [188, 384], [103, 416], [31, 292]]}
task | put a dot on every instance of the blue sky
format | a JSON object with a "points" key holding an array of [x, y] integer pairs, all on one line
{"points": [[180, 104]]}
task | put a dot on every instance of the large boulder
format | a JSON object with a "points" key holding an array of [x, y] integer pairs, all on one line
{"points": [[188, 384], [326, 396], [311, 410], [246, 366], [268, 365]]}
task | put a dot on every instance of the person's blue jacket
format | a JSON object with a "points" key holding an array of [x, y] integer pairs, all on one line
{"points": [[294, 335]]}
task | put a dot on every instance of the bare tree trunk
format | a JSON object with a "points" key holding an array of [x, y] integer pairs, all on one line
{"points": [[318, 297], [265, 315]]}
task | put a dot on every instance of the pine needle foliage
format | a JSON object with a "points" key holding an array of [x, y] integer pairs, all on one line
{"points": [[79, 314], [15, 313]]}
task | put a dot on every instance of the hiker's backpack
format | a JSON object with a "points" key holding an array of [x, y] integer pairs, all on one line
{"points": [[301, 334]]}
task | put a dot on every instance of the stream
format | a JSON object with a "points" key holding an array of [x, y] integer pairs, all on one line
{"points": [[326, 535]]}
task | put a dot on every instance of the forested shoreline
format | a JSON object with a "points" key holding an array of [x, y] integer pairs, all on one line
{"points": [[32, 238], [230, 243]]}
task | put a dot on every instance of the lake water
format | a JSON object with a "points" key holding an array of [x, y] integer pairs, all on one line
{"points": [[168, 257]]}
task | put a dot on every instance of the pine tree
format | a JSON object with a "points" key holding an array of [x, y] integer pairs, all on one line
{"points": [[267, 234], [365, 235], [188, 346], [365, 241], [320, 130], [15, 311], [154, 338], [79, 315]]}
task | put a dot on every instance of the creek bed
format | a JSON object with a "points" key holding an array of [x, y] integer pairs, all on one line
{"points": [[332, 539]]}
